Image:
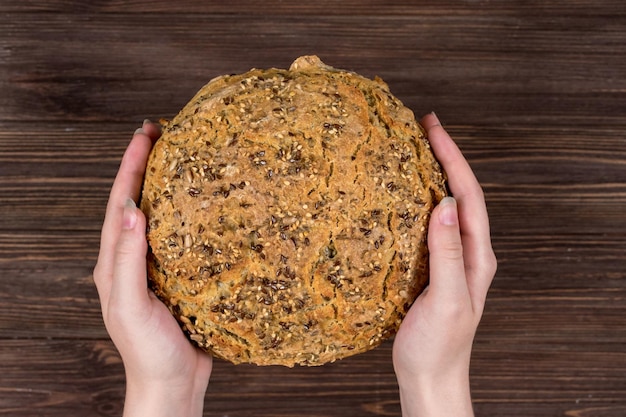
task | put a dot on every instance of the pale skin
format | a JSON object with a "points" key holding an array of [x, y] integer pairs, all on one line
{"points": [[167, 376], [431, 352]]}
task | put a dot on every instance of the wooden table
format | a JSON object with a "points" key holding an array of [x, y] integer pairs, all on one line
{"points": [[533, 92]]}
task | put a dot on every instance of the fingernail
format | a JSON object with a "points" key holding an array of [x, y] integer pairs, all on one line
{"points": [[139, 131], [447, 212], [129, 219], [146, 122], [436, 117]]}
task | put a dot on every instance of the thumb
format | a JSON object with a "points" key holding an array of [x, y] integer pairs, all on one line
{"points": [[447, 269], [129, 286]]}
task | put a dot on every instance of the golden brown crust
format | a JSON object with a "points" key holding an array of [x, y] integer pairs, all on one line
{"points": [[287, 214]]}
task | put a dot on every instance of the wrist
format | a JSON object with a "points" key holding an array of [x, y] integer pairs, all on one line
{"points": [[159, 399], [439, 395]]}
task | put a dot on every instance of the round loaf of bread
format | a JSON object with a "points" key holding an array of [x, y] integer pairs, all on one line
{"points": [[287, 214]]}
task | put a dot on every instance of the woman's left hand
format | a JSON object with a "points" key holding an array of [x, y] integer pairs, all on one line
{"points": [[164, 372]]}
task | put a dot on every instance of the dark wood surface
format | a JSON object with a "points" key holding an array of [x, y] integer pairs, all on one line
{"points": [[534, 92]]}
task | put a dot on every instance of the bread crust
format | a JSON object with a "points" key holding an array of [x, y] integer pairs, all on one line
{"points": [[287, 214]]}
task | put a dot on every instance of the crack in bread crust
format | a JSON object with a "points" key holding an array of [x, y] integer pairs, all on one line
{"points": [[287, 214]]}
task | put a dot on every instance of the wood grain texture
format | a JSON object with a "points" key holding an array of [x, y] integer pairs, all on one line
{"points": [[86, 377], [533, 92], [489, 65]]}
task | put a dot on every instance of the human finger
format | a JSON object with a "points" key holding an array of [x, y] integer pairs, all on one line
{"points": [[473, 218], [127, 184], [133, 166], [129, 282], [461, 179], [153, 130], [447, 269]]}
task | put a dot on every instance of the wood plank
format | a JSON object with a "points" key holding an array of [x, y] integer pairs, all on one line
{"points": [[86, 377], [48, 248], [54, 203], [543, 379], [58, 177], [60, 378], [57, 304], [607, 8], [491, 67], [93, 383], [46, 285]]}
